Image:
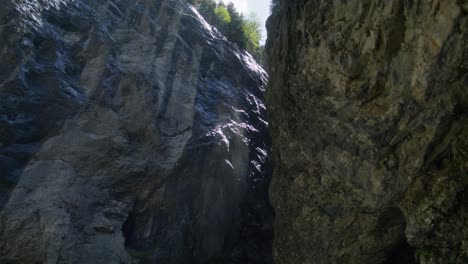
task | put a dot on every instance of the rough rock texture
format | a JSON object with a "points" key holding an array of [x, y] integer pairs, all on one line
{"points": [[368, 102], [130, 132]]}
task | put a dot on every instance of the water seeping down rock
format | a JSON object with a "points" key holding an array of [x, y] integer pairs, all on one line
{"points": [[368, 103], [130, 132]]}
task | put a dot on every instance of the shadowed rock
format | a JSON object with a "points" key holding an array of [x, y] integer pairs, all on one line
{"points": [[368, 107]]}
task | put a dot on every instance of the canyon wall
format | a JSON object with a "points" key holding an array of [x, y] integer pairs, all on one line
{"points": [[368, 102], [130, 132]]}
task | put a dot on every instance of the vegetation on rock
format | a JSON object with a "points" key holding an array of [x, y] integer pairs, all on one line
{"points": [[244, 31]]}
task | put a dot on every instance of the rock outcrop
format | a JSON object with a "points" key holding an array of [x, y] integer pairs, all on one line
{"points": [[368, 103], [130, 132]]}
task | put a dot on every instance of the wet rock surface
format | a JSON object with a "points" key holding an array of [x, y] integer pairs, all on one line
{"points": [[130, 132], [368, 107]]}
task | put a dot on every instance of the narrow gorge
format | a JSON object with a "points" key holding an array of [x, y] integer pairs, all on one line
{"points": [[135, 132]]}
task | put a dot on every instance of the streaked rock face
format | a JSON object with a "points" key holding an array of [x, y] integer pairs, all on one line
{"points": [[130, 132], [368, 106]]}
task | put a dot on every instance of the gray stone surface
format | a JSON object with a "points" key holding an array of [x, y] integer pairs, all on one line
{"points": [[368, 107], [130, 132]]}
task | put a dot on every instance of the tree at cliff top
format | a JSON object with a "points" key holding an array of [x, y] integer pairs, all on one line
{"points": [[245, 32]]}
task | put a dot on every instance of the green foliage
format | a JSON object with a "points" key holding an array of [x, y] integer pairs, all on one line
{"points": [[253, 33], [245, 32], [223, 15]]}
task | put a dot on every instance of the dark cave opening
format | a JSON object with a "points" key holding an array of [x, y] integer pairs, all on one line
{"points": [[402, 253], [392, 220]]}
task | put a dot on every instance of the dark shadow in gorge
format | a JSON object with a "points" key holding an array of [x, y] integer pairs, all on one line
{"points": [[393, 222]]}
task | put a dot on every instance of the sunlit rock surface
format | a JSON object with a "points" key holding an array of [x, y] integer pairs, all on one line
{"points": [[130, 132], [368, 102]]}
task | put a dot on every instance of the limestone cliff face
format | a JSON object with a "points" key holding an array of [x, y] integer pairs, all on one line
{"points": [[368, 107], [130, 132]]}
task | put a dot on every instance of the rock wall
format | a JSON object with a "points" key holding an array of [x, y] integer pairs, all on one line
{"points": [[130, 132], [368, 102]]}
